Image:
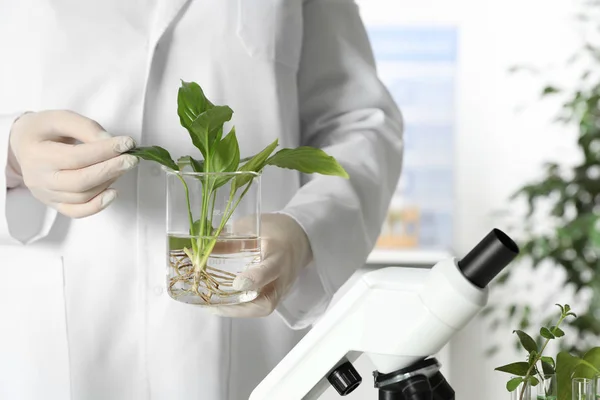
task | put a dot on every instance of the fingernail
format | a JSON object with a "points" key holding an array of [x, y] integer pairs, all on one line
{"points": [[125, 144], [242, 283], [108, 198], [129, 162]]}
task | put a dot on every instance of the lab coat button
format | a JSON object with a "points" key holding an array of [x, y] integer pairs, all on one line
{"points": [[158, 290]]}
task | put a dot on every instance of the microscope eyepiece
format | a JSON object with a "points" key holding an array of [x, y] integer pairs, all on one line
{"points": [[488, 258]]}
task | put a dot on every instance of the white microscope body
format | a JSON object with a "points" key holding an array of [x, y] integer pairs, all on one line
{"points": [[397, 316]]}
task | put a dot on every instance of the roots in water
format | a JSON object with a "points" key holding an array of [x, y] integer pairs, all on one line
{"points": [[212, 284], [208, 283]]}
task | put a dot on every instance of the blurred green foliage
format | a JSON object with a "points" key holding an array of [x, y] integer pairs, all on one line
{"points": [[571, 196]]}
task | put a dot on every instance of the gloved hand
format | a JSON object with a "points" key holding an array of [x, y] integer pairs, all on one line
{"points": [[72, 177], [286, 251]]}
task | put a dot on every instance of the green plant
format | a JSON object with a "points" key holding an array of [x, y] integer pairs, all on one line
{"points": [[205, 122], [528, 371], [566, 198], [570, 366], [566, 367]]}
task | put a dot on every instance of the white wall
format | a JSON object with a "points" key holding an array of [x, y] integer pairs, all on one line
{"points": [[497, 148]]}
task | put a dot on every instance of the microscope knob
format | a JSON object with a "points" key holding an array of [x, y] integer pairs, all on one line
{"points": [[345, 379]]}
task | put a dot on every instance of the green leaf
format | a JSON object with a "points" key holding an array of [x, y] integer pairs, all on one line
{"points": [[547, 368], [155, 153], [545, 332], [533, 380], [569, 367], [567, 308], [219, 134], [562, 309], [548, 360], [572, 314], [196, 165], [595, 237], [565, 364], [518, 368], [308, 160], [513, 384], [191, 102], [549, 90], [556, 331], [195, 229], [255, 164], [526, 341], [589, 366], [205, 129], [179, 243], [532, 357], [246, 159], [226, 156]]}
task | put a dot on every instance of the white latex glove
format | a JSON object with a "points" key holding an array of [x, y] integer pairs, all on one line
{"points": [[72, 177], [286, 251]]}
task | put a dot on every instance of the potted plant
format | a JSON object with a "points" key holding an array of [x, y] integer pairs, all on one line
{"points": [[213, 201]]}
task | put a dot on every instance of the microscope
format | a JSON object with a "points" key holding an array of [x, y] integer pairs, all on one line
{"points": [[398, 317]]}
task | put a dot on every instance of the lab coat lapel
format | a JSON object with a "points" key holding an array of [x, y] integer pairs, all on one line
{"points": [[166, 13]]}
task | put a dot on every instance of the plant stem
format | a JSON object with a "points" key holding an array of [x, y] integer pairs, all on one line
{"points": [[210, 244], [199, 267], [189, 207], [205, 190], [212, 209], [539, 356]]}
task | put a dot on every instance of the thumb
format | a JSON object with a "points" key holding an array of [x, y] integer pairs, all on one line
{"points": [[257, 277], [69, 124]]}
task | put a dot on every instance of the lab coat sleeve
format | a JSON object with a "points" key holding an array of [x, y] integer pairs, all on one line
{"points": [[346, 111], [23, 219]]}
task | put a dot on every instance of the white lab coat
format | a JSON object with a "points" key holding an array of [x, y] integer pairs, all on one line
{"points": [[83, 310]]}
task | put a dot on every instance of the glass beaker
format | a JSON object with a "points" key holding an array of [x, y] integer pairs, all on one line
{"points": [[582, 389], [596, 387], [547, 389], [213, 234], [523, 392]]}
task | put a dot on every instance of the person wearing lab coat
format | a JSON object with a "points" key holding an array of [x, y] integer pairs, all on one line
{"points": [[83, 310]]}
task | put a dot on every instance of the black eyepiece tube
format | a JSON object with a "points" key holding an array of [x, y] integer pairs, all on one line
{"points": [[488, 258]]}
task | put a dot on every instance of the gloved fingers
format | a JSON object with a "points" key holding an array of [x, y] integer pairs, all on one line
{"points": [[246, 225], [92, 207], [77, 197], [262, 306], [257, 277], [77, 156], [84, 179], [68, 124]]}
